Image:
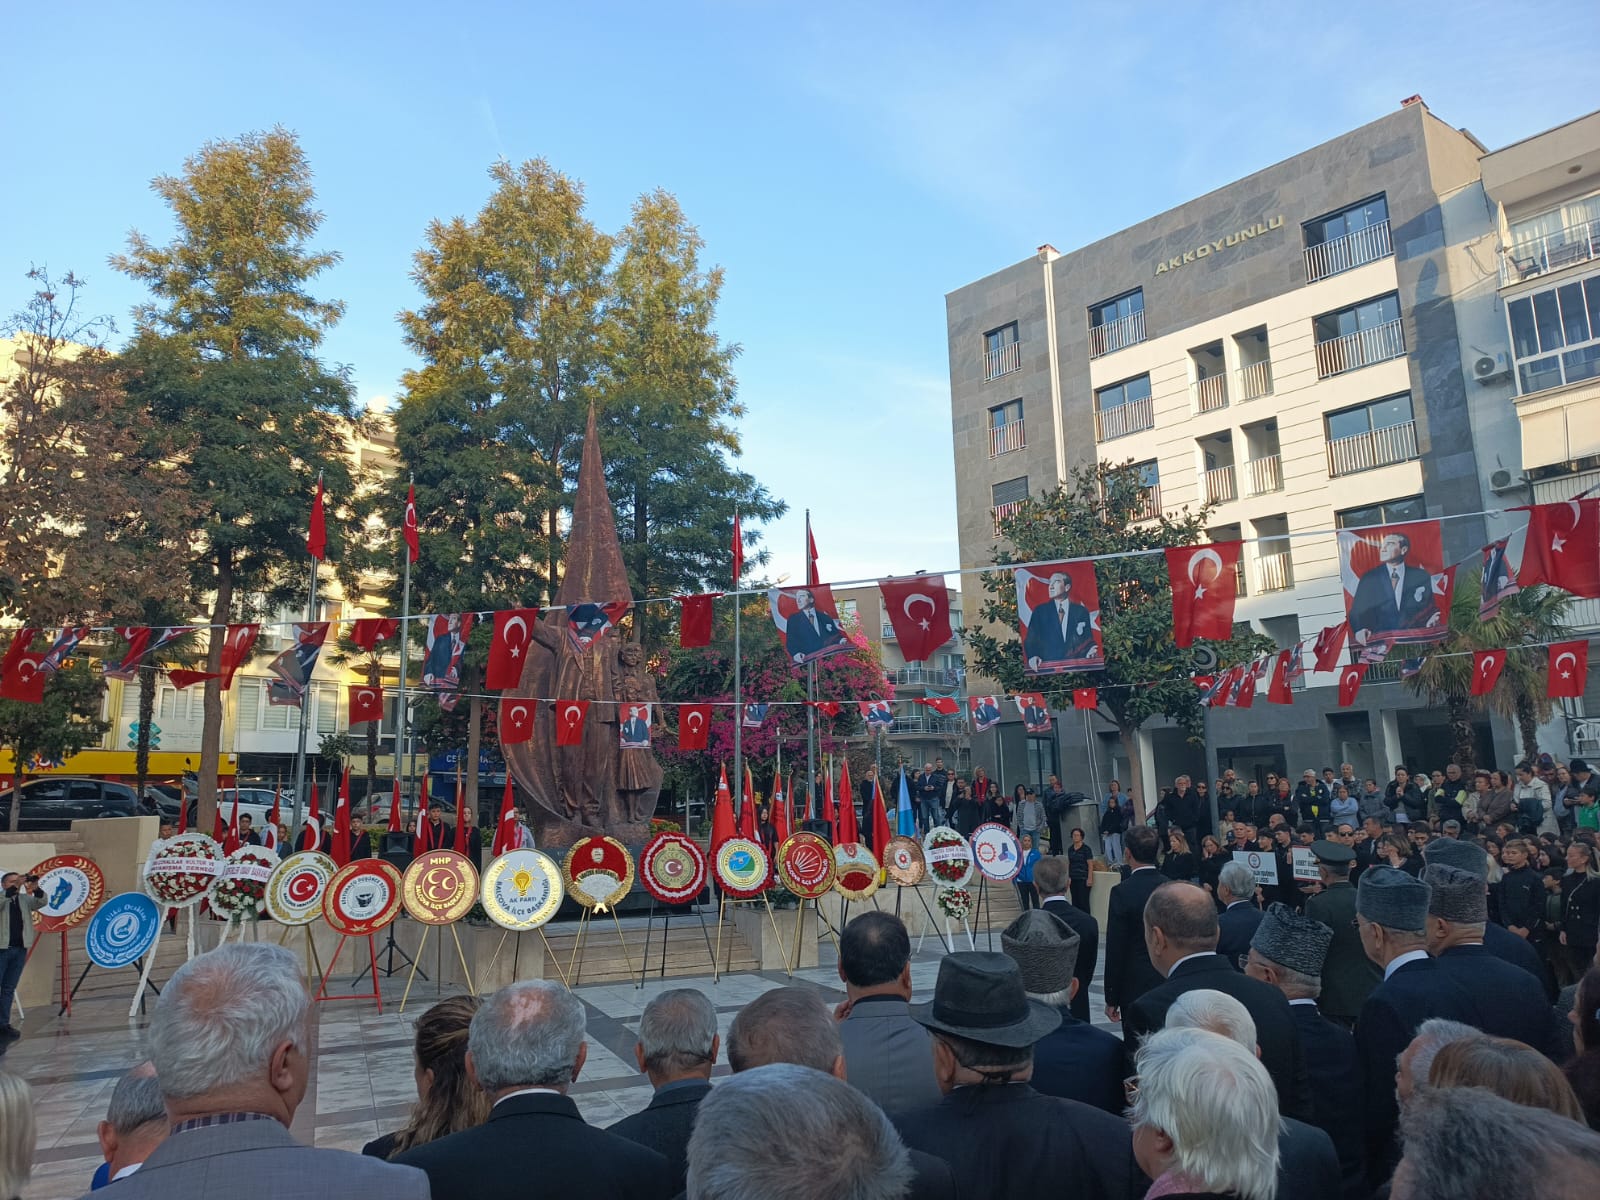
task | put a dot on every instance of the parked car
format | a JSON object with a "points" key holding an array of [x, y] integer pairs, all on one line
{"points": [[56, 801], [255, 801]]}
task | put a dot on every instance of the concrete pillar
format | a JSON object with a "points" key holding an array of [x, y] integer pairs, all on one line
{"points": [[1151, 791], [1386, 745]]}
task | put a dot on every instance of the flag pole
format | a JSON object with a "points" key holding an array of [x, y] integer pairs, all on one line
{"points": [[738, 680], [401, 714], [300, 746], [811, 685]]}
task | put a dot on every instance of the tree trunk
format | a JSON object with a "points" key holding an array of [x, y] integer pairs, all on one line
{"points": [[1528, 727], [1130, 747], [1465, 753], [141, 749], [14, 822], [211, 708]]}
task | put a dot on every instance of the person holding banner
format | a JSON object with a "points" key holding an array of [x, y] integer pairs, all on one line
{"points": [[22, 896]]}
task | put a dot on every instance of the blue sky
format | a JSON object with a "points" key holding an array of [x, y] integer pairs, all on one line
{"points": [[847, 164]]}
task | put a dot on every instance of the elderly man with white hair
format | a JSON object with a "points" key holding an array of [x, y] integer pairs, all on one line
{"points": [[526, 1048], [230, 1040], [1308, 1163], [1237, 922]]}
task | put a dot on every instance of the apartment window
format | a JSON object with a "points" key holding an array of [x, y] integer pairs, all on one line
{"points": [[1348, 238], [848, 611], [1555, 239], [1555, 335], [1123, 408], [1002, 354], [1148, 506], [1116, 323], [1369, 435], [1359, 336], [1006, 498], [1388, 512], [1005, 428]]}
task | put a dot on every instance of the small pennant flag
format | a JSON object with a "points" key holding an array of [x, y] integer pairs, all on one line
{"points": [[694, 621], [694, 723], [945, 706], [1569, 668], [828, 708], [1486, 668], [516, 720], [1086, 698], [508, 648], [570, 715], [1329, 643], [366, 633], [182, 679], [754, 715], [878, 715], [413, 542], [1350, 683], [1279, 689], [907, 822], [985, 711]]}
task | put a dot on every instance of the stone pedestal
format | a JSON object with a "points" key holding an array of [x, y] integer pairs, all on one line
{"points": [[774, 952]]}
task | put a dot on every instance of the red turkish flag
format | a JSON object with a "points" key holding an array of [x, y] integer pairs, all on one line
{"points": [[506, 836], [1569, 669], [21, 675], [508, 650], [738, 551], [1205, 586], [184, 679], [409, 525], [231, 842], [396, 822], [812, 578], [1086, 698], [570, 715], [317, 538], [1563, 547], [919, 611], [880, 822], [828, 708], [516, 720], [369, 631], [849, 827], [239, 641], [1350, 683], [747, 807], [1279, 690], [1329, 643], [1244, 696], [723, 826], [694, 624], [1486, 668], [945, 706], [366, 703], [694, 723], [780, 811]]}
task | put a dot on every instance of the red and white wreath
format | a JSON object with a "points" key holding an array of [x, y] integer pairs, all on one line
{"points": [[181, 870], [240, 892]]}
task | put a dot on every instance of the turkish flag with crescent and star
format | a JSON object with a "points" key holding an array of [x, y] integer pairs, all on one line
{"points": [[694, 624], [569, 721], [366, 633], [945, 706], [1329, 643], [505, 829], [1350, 678], [236, 648], [1087, 698], [1569, 669], [694, 723], [516, 720], [1486, 668], [1562, 547], [182, 679], [366, 703], [1279, 688], [508, 651], [143, 642], [21, 678], [409, 525], [919, 611], [1205, 587]]}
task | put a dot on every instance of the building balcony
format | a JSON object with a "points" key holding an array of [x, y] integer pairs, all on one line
{"points": [[1210, 393], [1255, 380], [1239, 588], [1354, 249], [1003, 439], [1360, 349], [944, 677], [925, 723], [1125, 331], [1127, 418], [1148, 506], [1219, 485], [1004, 512], [1002, 360], [1375, 448], [1263, 475], [1274, 572], [1553, 252]]}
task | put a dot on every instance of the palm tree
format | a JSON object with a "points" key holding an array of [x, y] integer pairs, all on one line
{"points": [[1525, 623]]}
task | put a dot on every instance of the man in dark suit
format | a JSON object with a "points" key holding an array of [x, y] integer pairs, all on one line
{"points": [[1288, 952], [1497, 939], [1129, 974], [677, 1048], [1392, 597], [1180, 927], [810, 630], [1004, 1138], [1059, 629], [1052, 877], [1076, 1061], [1348, 975], [1236, 892], [526, 1049], [887, 1055]]}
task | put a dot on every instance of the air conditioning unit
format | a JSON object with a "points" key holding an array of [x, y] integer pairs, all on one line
{"points": [[1489, 369], [1504, 482]]}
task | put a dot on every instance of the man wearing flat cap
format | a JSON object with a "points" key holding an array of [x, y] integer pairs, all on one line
{"points": [[1076, 1061], [1497, 939], [1392, 915], [1348, 975], [1289, 951], [1013, 1140]]}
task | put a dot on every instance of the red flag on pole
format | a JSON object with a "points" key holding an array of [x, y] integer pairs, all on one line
{"points": [[516, 721], [738, 551], [508, 649], [341, 822], [722, 823], [366, 703], [369, 631], [424, 841], [505, 829], [1486, 668], [314, 814], [317, 538], [849, 828], [1350, 683], [239, 641], [919, 611], [880, 822], [409, 525], [812, 578], [1279, 690], [694, 722], [232, 842], [780, 811], [396, 821], [1205, 586], [219, 830], [747, 806], [1569, 669], [23, 677], [694, 620], [461, 813], [1329, 643], [1562, 547]]}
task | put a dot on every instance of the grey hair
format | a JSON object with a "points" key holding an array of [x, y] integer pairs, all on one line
{"points": [[1459, 1140], [678, 1031], [1060, 999], [1432, 1036], [17, 1134], [527, 1034], [785, 1025], [224, 1014], [1215, 1012], [1296, 984], [135, 1101], [1239, 879], [1216, 1102], [757, 1135]]}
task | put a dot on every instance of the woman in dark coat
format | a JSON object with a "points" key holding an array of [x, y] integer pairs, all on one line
{"points": [[1179, 863], [1080, 870]]}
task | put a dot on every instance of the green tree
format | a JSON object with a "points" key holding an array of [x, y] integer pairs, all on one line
{"points": [[1525, 624], [68, 721], [1104, 510], [225, 360]]}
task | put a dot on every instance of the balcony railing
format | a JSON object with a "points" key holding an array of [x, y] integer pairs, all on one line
{"points": [[1360, 349], [1219, 485], [886, 631], [1002, 360], [1274, 572], [928, 676], [1238, 579], [1264, 474], [1255, 380], [1125, 331], [1003, 512], [926, 722], [1375, 448], [1003, 439], [1541, 255], [1355, 248], [1126, 418], [1211, 393], [1148, 506]]}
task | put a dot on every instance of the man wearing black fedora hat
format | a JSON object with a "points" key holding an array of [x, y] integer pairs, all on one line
{"points": [[1014, 1141]]}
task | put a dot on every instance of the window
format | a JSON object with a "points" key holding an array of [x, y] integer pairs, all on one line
{"points": [[1555, 335], [1005, 428], [1389, 512], [1042, 759], [1001, 352], [1116, 323], [1148, 507], [1348, 238], [1557, 238], [1369, 435], [1012, 491], [1359, 336], [1123, 408]]}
